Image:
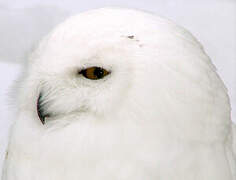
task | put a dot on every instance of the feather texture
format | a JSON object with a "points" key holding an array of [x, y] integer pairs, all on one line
{"points": [[161, 113]]}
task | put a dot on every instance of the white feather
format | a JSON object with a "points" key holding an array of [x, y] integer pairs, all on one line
{"points": [[162, 113]]}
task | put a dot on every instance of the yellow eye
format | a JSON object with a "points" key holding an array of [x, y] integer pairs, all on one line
{"points": [[94, 73]]}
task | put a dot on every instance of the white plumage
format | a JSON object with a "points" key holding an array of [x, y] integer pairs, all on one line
{"points": [[161, 114]]}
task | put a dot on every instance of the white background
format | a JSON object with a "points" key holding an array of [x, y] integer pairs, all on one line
{"points": [[23, 23]]}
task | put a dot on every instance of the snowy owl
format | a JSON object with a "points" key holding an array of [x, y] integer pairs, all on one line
{"points": [[120, 94]]}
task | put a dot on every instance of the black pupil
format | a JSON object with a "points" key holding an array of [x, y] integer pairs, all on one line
{"points": [[98, 72]]}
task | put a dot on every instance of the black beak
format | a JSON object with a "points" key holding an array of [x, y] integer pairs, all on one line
{"points": [[41, 109]]}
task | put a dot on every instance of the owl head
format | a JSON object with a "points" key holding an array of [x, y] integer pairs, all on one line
{"points": [[121, 65]]}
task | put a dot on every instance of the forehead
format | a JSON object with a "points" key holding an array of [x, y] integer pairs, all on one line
{"points": [[109, 25], [102, 22], [78, 53], [109, 35]]}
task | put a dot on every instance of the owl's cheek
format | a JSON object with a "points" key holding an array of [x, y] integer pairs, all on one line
{"points": [[55, 107]]}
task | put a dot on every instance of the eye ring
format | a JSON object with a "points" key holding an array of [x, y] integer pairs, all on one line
{"points": [[94, 73]]}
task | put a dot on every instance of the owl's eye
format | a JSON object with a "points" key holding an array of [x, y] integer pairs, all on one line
{"points": [[94, 73]]}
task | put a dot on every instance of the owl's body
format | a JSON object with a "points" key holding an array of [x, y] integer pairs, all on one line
{"points": [[162, 113]]}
